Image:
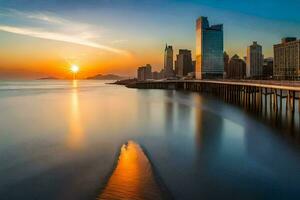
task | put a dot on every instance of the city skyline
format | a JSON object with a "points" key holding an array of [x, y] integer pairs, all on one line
{"points": [[149, 99], [41, 39]]}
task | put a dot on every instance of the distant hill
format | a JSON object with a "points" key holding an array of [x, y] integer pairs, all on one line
{"points": [[48, 78], [106, 77], [125, 81]]}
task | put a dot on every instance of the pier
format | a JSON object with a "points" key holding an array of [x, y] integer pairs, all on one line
{"points": [[257, 95]]}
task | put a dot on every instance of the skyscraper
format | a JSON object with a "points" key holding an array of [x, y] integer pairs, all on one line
{"points": [[268, 68], [140, 74], [287, 59], [226, 63], [184, 63], [236, 68], [209, 49], [144, 72], [255, 59], [168, 62], [175, 67]]}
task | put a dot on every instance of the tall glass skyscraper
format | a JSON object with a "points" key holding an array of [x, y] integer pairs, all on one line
{"points": [[209, 49], [168, 62]]}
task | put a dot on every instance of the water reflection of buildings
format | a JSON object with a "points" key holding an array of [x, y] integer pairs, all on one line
{"points": [[208, 126], [75, 137], [184, 114], [169, 111], [144, 110], [280, 118]]}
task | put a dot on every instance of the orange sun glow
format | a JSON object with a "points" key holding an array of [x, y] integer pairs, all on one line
{"points": [[74, 69]]}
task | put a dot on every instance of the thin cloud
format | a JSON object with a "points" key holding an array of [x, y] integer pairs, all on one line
{"points": [[119, 41], [62, 29], [46, 18], [40, 16], [59, 37]]}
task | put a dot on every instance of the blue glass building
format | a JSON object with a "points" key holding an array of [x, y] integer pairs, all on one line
{"points": [[209, 49]]}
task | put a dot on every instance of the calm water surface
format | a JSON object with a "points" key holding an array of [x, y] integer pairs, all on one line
{"points": [[60, 140]]}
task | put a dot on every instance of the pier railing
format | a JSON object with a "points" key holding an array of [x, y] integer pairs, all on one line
{"points": [[277, 95]]}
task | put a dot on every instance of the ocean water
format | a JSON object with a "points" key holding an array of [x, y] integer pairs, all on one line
{"points": [[61, 140]]}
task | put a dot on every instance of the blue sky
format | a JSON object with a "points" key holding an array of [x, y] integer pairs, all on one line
{"points": [[142, 28], [273, 9], [244, 20]]}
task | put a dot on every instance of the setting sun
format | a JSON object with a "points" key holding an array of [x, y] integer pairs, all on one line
{"points": [[74, 68]]}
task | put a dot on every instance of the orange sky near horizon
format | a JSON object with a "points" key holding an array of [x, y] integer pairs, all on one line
{"points": [[26, 57]]}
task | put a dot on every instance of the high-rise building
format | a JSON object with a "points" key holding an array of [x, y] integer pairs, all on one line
{"points": [[175, 67], [155, 75], [168, 62], [268, 68], [144, 72], [194, 65], [226, 63], [255, 59], [161, 74], [209, 49], [287, 59], [184, 63], [236, 68], [140, 75]]}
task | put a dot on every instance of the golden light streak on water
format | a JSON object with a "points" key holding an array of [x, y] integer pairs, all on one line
{"points": [[76, 135], [133, 177]]}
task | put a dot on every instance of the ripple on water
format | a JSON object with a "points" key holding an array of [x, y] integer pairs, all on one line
{"points": [[133, 177]]}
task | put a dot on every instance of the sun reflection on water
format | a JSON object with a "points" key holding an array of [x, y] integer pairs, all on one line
{"points": [[76, 135], [133, 177]]}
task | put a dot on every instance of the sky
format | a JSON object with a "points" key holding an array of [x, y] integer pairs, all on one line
{"points": [[44, 38]]}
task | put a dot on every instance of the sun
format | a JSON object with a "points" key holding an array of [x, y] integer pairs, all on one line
{"points": [[74, 68]]}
